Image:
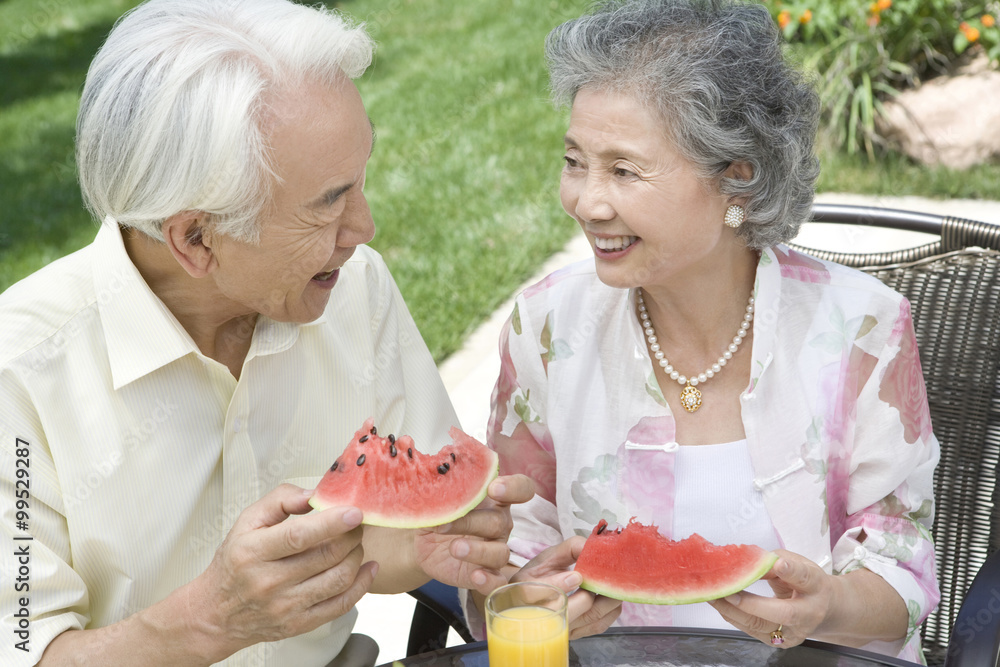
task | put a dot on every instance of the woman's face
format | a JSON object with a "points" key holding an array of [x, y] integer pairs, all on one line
{"points": [[647, 215]]}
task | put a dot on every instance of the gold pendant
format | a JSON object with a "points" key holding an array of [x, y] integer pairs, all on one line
{"points": [[690, 398]]}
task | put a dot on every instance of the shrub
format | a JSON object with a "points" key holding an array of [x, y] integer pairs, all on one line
{"points": [[867, 52]]}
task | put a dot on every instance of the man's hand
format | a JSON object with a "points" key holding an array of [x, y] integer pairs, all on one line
{"points": [[470, 552], [275, 577], [270, 579]]}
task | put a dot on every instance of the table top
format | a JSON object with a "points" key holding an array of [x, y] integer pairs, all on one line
{"points": [[676, 647]]}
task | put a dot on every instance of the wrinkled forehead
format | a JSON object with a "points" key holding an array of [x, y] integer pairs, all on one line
{"points": [[319, 139], [289, 101], [614, 119]]}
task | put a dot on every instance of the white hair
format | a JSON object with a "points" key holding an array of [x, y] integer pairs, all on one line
{"points": [[172, 110]]}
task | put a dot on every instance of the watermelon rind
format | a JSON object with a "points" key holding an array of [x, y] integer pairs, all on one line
{"points": [[429, 521], [611, 590], [380, 498], [375, 518], [753, 564]]}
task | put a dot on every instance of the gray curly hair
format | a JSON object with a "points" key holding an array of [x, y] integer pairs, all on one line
{"points": [[714, 72]]}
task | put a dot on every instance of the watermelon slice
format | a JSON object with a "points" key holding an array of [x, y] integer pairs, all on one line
{"points": [[395, 485], [638, 564]]}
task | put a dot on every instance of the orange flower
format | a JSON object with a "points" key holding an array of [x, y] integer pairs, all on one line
{"points": [[884, 5], [988, 21], [806, 16], [873, 8], [963, 27], [972, 34], [784, 18]]}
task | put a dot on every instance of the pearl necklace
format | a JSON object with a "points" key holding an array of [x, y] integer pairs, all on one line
{"points": [[690, 395]]}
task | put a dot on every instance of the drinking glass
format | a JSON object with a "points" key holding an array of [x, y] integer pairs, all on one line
{"points": [[526, 626]]}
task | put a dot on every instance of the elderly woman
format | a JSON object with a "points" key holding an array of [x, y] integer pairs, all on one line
{"points": [[180, 385], [697, 374]]}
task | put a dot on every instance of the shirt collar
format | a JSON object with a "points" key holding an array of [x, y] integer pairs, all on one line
{"points": [[768, 314], [271, 336], [140, 332]]}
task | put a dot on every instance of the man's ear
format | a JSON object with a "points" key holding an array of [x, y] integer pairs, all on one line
{"points": [[184, 235]]}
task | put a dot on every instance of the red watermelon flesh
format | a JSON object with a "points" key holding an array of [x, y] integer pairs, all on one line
{"points": [[395, 485], [638, 564]]}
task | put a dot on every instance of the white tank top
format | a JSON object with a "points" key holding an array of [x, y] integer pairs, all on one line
{"points": [[714, 497]]}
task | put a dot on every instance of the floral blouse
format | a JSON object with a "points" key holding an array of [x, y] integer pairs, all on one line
{"points": [[836, 420]]}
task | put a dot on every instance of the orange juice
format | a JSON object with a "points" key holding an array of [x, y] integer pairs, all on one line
{"points": [[528, 637]]}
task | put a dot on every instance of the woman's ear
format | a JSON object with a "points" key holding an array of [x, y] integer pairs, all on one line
{"points": [[184, 235], [741, 171]]}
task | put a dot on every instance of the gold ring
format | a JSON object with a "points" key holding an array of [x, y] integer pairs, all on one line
{"points": [[777, 639]]}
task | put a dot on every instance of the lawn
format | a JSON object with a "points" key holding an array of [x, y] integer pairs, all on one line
{"points": [[463, 180]]}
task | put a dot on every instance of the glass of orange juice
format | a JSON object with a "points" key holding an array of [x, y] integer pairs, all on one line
{"points": [[526, 626]]}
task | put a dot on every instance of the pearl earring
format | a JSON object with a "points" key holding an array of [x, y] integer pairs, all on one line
{"points": [[735, 215]]}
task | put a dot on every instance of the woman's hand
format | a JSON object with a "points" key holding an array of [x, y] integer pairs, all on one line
{"points": [[588, 614], [852, 609], [470, 552], [803, 595]]}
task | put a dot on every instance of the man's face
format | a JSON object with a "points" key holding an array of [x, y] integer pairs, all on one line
{"points": [[320, 139]]}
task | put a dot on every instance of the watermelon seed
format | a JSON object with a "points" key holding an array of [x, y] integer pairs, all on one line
{"points": [[373, 431], [409, 452], [364, 438], [443, 468], [335, 464], [392, 451], [601, 528], [392, 438], [361, 459], [453, 456]]}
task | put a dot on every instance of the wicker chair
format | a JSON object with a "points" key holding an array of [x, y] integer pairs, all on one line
{"points": [[953, 285]]}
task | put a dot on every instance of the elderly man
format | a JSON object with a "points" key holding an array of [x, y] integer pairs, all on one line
{"points": [[174, 390]]}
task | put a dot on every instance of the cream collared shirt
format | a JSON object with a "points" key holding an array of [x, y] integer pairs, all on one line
{"points": [[141, 452]]}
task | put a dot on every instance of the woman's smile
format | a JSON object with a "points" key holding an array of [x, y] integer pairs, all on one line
{"points": [[614, 247]]}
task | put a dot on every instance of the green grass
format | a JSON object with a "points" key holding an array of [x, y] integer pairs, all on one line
{"points": [[45, 48], [464, 177], [463, 182], [896, 176]]}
